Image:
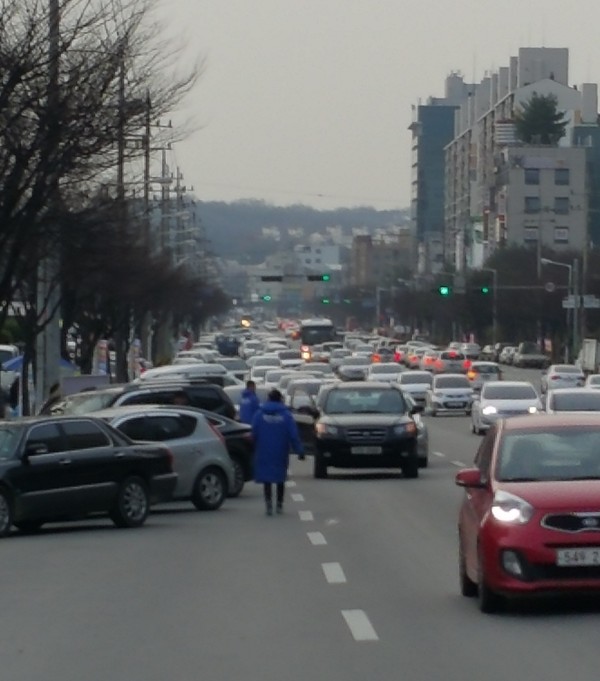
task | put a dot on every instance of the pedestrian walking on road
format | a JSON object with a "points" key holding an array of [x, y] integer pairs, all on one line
{"points": [[249, 403], [275, 434]]}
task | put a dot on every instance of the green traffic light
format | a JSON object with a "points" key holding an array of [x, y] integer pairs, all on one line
{"points": [[444, 290], [326, 277], [325, 301], [266, 298], [485, 289]]}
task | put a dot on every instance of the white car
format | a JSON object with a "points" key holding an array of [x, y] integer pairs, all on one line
{"points": [[592, 381], [449, 393], [502, 399], [562, 376], [387, 372], [572, 400]]}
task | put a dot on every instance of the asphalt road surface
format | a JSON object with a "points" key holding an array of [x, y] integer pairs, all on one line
{"points": [[357, 581]]}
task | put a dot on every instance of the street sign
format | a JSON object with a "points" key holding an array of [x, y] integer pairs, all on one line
{"points": [[550, 287], [588, 302]]}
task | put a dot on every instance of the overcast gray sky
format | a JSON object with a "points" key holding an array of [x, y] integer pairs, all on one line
{"points": [[308, 101]]}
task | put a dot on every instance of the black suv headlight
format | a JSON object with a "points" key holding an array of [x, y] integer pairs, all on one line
{"points": [[405, 428], [327, 430]]}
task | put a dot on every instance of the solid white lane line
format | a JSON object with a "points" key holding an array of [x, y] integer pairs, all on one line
{"points": [[460, 464], [290, 483], [316, 538], [360, 625], [334, 573], [306, 515], [440, 454], [297, 497]]}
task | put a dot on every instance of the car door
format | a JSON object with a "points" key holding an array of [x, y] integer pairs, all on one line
{"points": [[44, 484], [305, 413], [96, 464]]}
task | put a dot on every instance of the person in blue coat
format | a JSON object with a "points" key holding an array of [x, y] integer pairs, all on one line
{"points": [[249, 403], [275, 433]]}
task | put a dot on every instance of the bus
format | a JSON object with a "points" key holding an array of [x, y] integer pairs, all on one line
{"points": [[315, 332]]}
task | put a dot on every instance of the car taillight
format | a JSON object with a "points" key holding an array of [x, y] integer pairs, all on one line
{"points": [[397, 357], [452, 355], [554, 378], [467, 364], [375, 358], [471, 374]]}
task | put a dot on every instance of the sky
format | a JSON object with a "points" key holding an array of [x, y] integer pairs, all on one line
{"points": [[309, 101]]}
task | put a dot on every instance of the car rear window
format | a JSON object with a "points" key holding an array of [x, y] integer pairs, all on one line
{"points": [[579, 401], [508, 392], [410, 379], [452, 382], [487, 369], [452, 355], [566, 369]]}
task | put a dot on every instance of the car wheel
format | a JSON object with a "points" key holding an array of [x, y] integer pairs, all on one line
{"points": [[411, 468], [29, 526], [468, 412], [132, 504], [239, 477], [423, 462], [468, 587], [210, 490], [320, 467], [6, 513]]}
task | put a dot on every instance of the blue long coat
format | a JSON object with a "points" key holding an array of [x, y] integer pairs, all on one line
{"points": [[275, 433], [249, 405]]}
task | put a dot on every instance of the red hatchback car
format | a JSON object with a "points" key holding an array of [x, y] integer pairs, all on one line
{"points": [[529, 521]]}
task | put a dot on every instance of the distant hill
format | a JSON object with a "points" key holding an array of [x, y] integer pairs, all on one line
{"points": [[236, 230]]}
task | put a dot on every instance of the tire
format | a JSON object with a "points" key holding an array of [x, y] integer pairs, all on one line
{"points": [[411, 468], [423, 462], [29, 526], [239, 478], [6, 513], [468, 588], [210, 489], [320, 467], [132, 504]]}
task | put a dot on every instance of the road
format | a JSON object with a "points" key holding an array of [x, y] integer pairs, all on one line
{"points": [[356, 581]]}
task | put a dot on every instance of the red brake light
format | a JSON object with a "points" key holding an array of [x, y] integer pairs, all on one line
{"points": [[554, 378], [452, 354], [467, 364]]}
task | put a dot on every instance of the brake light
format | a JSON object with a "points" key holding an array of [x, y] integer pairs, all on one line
{"points": [[376, 358], [452, 354], [467, 364], [471, 374], [554, 378]]}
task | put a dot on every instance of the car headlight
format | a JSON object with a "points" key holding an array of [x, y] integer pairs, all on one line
{"points": [[405, 429], [326, 429], [532, 410], [489, 410], [509, 508]]}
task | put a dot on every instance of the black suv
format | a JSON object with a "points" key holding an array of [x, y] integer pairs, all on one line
{"points": [[195, 393], [365, 425]]}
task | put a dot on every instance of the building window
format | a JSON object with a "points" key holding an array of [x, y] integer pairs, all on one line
{"points": [[562, 176], [317, 259], [561, 205], [532, 175], [308, 261], [530, 235], [561, 235], [532, 204]]}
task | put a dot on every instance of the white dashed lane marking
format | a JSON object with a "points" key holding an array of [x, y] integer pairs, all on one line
{"points": [[460, 464], [316, 538], [297, 497], [440, 454], [334, 573], [306, 515], [360, 625], [290, 483]]}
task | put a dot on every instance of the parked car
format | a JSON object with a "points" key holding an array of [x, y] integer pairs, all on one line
{"points": [[501, 400], [449, 393], [200, 457], [487, 354], [366, 425], [562, 400], [57, 468], [562, 376], [528, 523], [528, 354], [506, 354], [483, 372], [499, 347]]}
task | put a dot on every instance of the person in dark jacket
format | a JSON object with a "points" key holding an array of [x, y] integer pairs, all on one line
{"points": [[275, 433], [249, 403]]}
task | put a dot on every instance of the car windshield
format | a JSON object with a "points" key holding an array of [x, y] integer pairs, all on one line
{"points": [[412, 379], [576, 401], [509, 392], [486, 368], [84, 403], [232, 363], [529, 348], [289, 354], [355, 362], [566, 369], [452, 355], [364, 401], [386, 369], [452, 382], [593, 380], [565, 453], [308, 387], [9, 438]]}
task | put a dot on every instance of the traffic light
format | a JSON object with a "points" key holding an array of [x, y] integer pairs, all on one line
{"points": [[318, 277], [325, 301], [267, 298], [444, 290], [485, 290]]}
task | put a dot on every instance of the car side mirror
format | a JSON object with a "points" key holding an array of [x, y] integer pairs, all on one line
{"points": [[417, 409], [470, 477], [35, 449]]}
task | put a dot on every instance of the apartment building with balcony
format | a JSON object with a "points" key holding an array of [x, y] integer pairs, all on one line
{"points": [[485, 188]]}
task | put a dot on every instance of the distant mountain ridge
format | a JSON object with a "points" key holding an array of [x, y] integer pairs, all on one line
{"points": [[247, 231]]}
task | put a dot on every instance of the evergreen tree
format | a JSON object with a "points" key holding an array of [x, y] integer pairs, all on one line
{"points": [[539, 121]]}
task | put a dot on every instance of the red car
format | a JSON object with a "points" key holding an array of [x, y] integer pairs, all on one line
{"points": [[529, 521]]}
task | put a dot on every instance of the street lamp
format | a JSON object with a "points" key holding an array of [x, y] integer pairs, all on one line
{"points": [[572, 289]]}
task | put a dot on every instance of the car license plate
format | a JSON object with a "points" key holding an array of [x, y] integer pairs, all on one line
{"points": [[570, 557], [458, 405], [366, 450]]}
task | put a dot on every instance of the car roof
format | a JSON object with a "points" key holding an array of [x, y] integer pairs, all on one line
{"points": [[552, 421], [510, 384], [573, 391]]}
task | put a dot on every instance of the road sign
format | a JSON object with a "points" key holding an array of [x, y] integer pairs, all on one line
{"points": [[588, 302], [550, 287]]}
